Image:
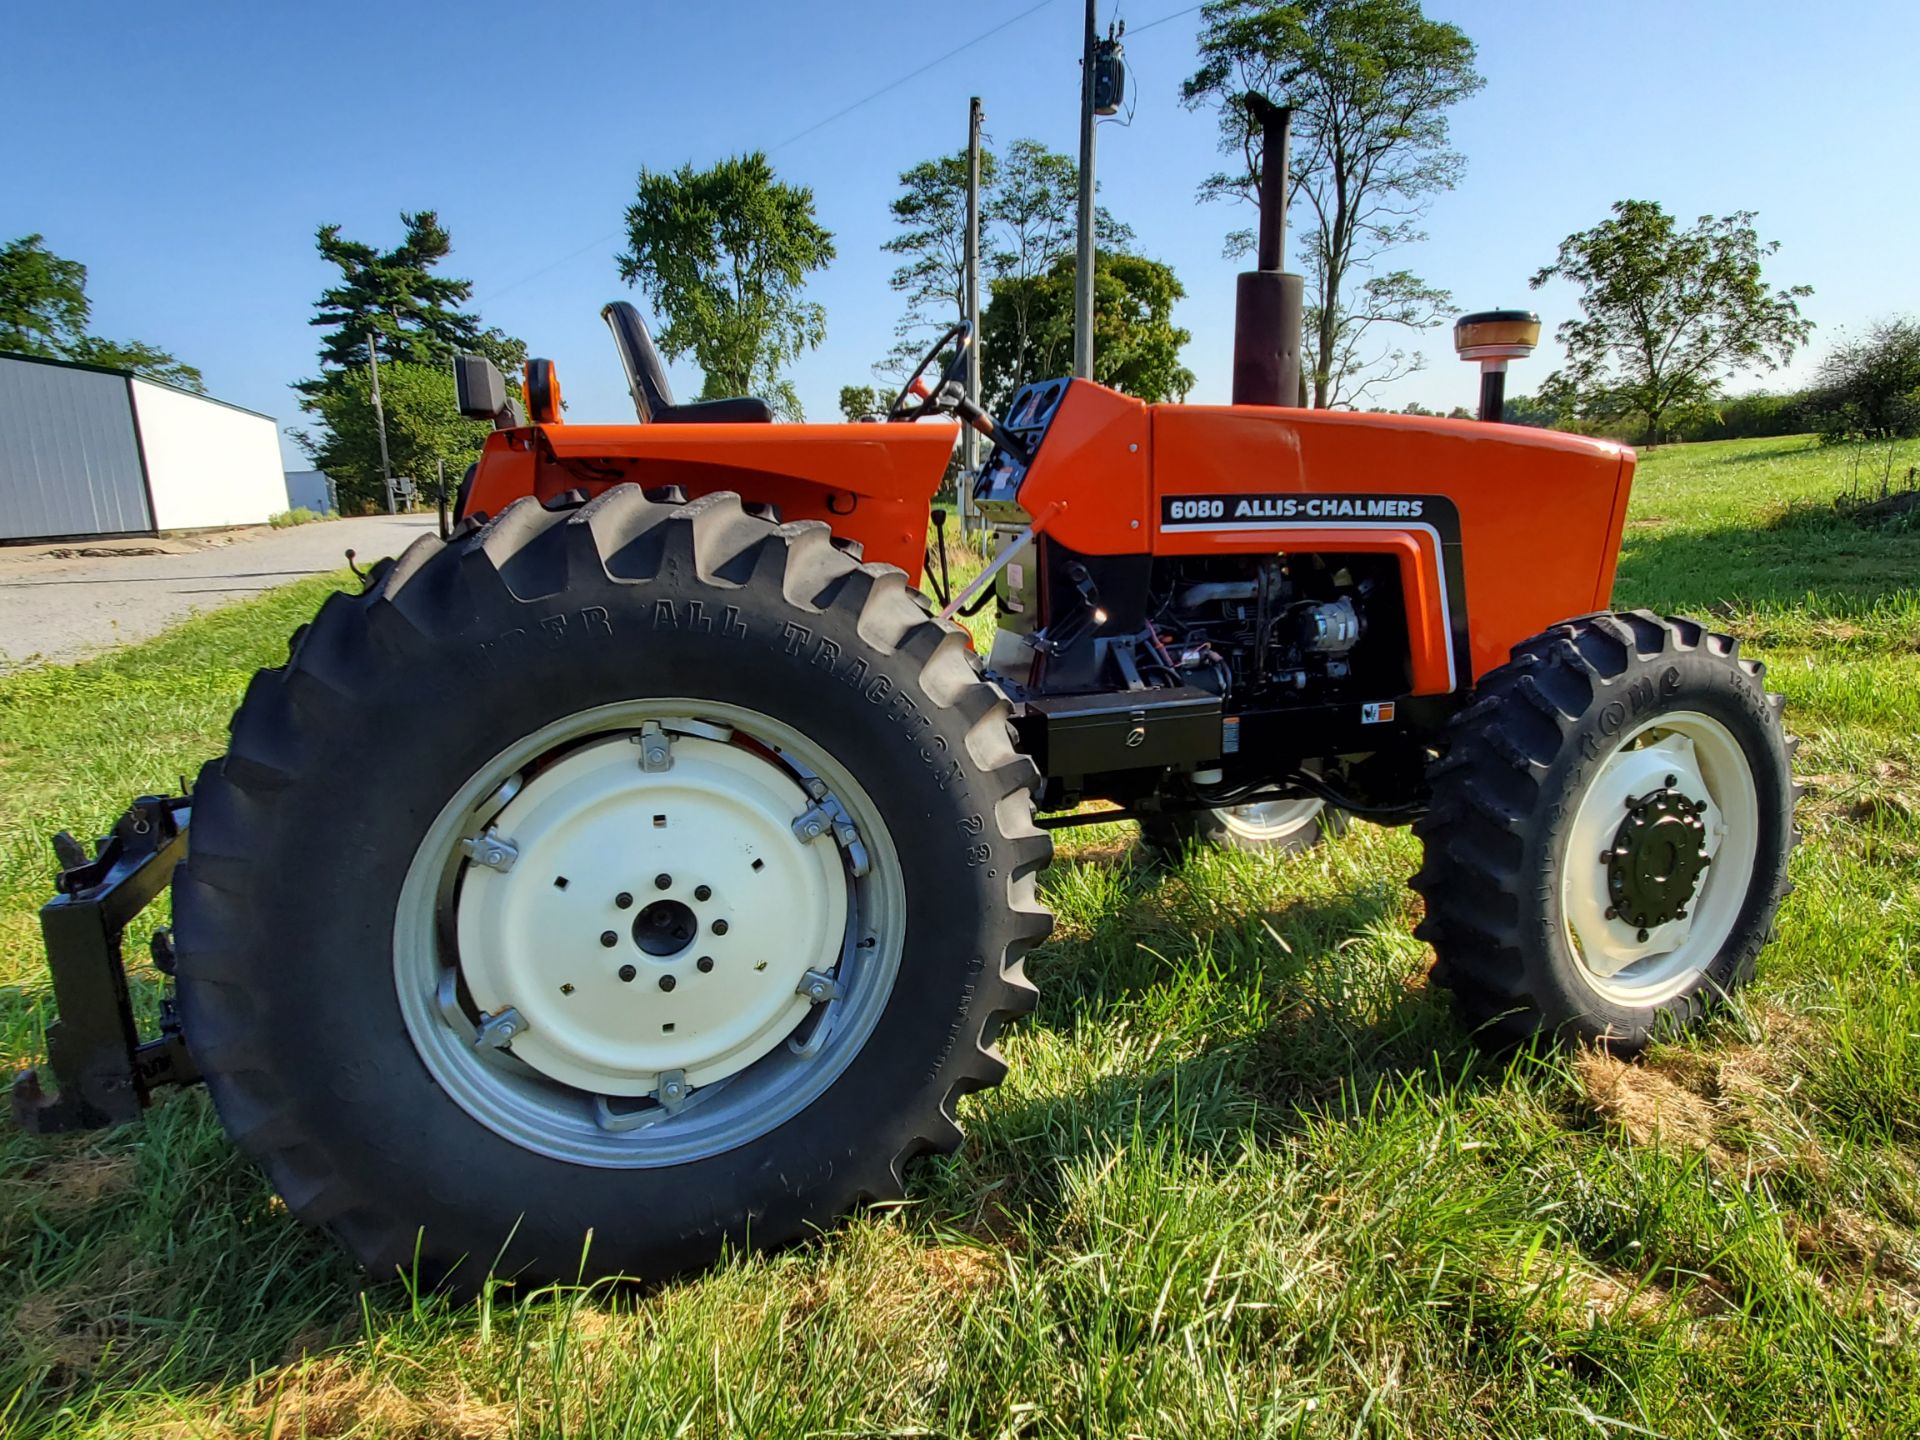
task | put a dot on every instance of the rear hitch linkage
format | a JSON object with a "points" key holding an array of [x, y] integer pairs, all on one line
{"points": [[105, 1073]]}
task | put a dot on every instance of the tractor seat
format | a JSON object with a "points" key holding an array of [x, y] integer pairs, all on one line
{"points": [[647, 380]]}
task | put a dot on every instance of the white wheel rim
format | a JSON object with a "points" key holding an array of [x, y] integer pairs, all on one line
{"points": [[709, 947], [1266, 820], [1699, 758], [592, 1076]]}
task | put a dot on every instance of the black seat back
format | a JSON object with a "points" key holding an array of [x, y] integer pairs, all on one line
{"points": [[647, 380], [646, 376]]}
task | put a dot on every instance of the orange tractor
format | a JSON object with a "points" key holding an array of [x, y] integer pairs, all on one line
{"points": [[655, 858]]}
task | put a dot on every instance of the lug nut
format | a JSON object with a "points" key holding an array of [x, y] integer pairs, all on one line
{"points": [[627, 972], [609, 939], [719, 927], [667, 982], [623, 900], [703, 892], [663, 882], [704, 964]]}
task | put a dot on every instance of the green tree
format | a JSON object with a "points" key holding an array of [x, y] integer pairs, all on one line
{"points": [[148, 360], [859, 401], [1027, 225], [1667, 314], [414, 315], [1536, 411], [1869, 388], [1136, 344], [931, 211], [1371, 83], [423, 428], [43, 299], [723, 256], [398, 297], [44, 311]]}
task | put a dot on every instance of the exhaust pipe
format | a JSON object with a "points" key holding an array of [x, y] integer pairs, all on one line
{"points": [[1267, 301]]}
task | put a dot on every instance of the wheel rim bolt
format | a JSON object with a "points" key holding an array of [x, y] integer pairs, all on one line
{"points": [[627, 972], [703, 892], [667, 982], [609, 939], [663, 882], [704, 964], [623, 900], [719, 927]]}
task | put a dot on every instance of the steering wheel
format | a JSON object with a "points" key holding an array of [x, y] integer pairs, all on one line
{"points": [[938, 400]]}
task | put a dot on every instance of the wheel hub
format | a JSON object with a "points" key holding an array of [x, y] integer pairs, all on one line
{"points": [[652, 922], [665, 928], [1657, 856]]}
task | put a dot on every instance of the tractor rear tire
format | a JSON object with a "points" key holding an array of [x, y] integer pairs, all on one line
{"points": [[803, 728], [1283, 827], [1608, 834]]}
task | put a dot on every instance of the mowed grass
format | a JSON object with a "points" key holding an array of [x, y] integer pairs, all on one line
{"points": [[1247, 1176]]}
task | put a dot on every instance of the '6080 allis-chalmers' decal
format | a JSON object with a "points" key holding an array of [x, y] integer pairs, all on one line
{"points": [[1206, 512]]}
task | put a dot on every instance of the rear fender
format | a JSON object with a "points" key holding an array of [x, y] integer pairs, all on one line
{"points": [[871, 483]]}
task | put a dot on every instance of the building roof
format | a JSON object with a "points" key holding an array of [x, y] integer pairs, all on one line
{"points": [[130, 375]]}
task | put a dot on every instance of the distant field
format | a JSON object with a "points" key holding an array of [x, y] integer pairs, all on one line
{"points": [[1246, 1176]]}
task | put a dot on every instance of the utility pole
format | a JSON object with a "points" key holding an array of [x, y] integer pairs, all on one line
{"points": [[1083, 255], [970, 441], [380, 422]]}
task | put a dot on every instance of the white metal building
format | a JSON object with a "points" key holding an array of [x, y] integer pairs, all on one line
{"points": [[311, 490], [87, 451]]}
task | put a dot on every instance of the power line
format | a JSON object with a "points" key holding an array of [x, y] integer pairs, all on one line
{"points": [[912, 75], [1142, 29], [840, 114]]}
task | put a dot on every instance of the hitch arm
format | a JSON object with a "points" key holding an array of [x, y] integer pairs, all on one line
{"points": [[105, 1073]]}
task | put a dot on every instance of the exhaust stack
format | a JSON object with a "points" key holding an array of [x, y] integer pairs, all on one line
{"points": [[1268, 301]]}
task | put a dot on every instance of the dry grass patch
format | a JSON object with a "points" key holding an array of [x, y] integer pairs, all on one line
{"points": [[333, 1398], [1651, 1107], [72, 1183]]}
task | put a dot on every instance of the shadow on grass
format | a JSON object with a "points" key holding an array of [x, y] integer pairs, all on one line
{"points": [[1716, 572], [1762, 454], [1178, 1013]]}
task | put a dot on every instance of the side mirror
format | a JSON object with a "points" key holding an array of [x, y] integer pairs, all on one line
{"points": [[481, 392]]}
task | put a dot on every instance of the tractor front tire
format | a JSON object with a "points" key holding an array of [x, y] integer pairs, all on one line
{"points": [[603, 888], [1609, 831]]}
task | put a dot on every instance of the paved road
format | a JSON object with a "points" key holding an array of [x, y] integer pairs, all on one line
{"points": [[65, 608]]}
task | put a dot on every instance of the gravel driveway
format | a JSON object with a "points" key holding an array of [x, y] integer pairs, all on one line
{"points": [[64, 606]]}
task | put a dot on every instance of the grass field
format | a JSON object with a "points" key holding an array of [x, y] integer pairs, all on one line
{"points": [[1246, 1178]]}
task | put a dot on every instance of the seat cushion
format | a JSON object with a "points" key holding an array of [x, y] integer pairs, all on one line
{"points": [[737, 410]]}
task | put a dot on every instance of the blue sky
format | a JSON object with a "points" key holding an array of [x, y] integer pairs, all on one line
{"points": [[185, 153]]}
